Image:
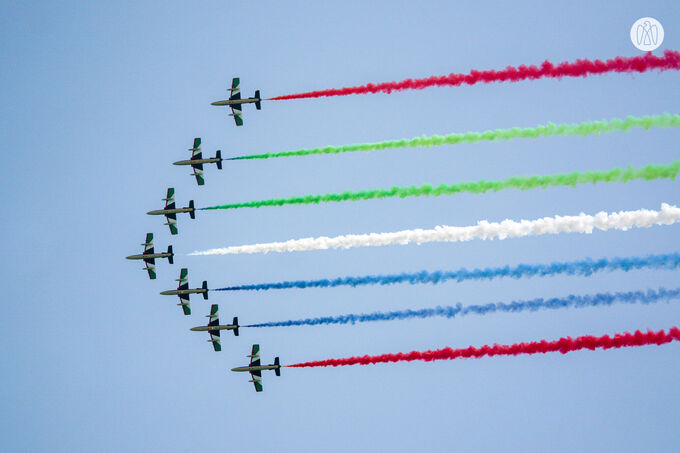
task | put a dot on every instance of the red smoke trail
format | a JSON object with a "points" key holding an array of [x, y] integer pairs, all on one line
{"points": [[563, 345], [580, 68]]}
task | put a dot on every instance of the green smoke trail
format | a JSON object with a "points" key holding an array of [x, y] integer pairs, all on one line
{"points": [[648, 173], [588, 128]]}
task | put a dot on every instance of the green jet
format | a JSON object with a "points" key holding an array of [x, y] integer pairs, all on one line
{"points": [[214, 327], [149, 256], [255, 368], [170, 212], [235, 101], [197, 161]]}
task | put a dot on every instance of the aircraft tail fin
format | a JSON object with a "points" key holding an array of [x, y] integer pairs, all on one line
{"points": [[218, 156], [235, 323], [205, 287], [259, 99], [170, 258], [192, 213], [277, 370]]}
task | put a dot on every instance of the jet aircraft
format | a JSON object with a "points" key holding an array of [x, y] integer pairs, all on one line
{"points": [[170, 212], [149, 256], [235, 101], [214, 327], [197, 161], [183, 291], [255, 369]]}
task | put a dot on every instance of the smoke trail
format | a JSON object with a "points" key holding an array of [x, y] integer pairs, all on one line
{"points": [[563, 345], [579, 68], [581, 129], [582, 223], [648, 173], [583, 268], [592, 300]]}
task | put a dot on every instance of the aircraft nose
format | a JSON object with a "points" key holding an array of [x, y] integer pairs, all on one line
{"points": [[128, 257], [166, 293]]}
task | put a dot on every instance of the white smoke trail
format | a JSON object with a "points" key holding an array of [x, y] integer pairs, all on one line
{"points": [[582, 223]]}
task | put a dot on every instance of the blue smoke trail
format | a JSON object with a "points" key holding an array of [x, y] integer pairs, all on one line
{"points": [[583, 268], [594, 300]]}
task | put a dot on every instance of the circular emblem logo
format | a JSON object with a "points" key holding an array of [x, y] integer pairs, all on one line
{"points": [[646, 33]]}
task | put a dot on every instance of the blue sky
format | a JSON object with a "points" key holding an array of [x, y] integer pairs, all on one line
{"points": [[100, 98]]}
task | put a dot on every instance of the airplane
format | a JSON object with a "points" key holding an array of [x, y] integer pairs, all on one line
{"points": [[149, 256], [235, 101], [183, 291], [255, 368], [170, 211], [214, 327], [197, 161]]}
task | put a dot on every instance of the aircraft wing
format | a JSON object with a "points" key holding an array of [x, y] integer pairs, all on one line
{"points": [[150, 267], [215, 340], [196, 150], [172, 222], [256, 375], [170, 198], [198, 173], [148, 244], [235, 88], [255, 355], [170, 204], [196, 154], [149, 262], [237, 113], [183, 279], [256, 379], [185, 304], [214, 334], [184, 284]]}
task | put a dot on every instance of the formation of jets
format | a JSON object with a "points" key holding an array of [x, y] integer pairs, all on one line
{"points": [[170, 212]]}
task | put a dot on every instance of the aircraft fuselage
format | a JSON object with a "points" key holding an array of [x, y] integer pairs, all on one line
{"points": [[256, 368], [221, 327], [170, 211], [150, 255], [212, 160], [237, 101], [177, 292]]}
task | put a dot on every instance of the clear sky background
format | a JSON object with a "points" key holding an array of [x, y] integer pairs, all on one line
{"points": [[99, 98]]}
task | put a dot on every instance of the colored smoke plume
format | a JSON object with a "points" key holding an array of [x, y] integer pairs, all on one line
{"points": [[571, 301], [647, 173], [584, 268], [563, 345], [549, 130], [485, 230], [578, 68]]}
